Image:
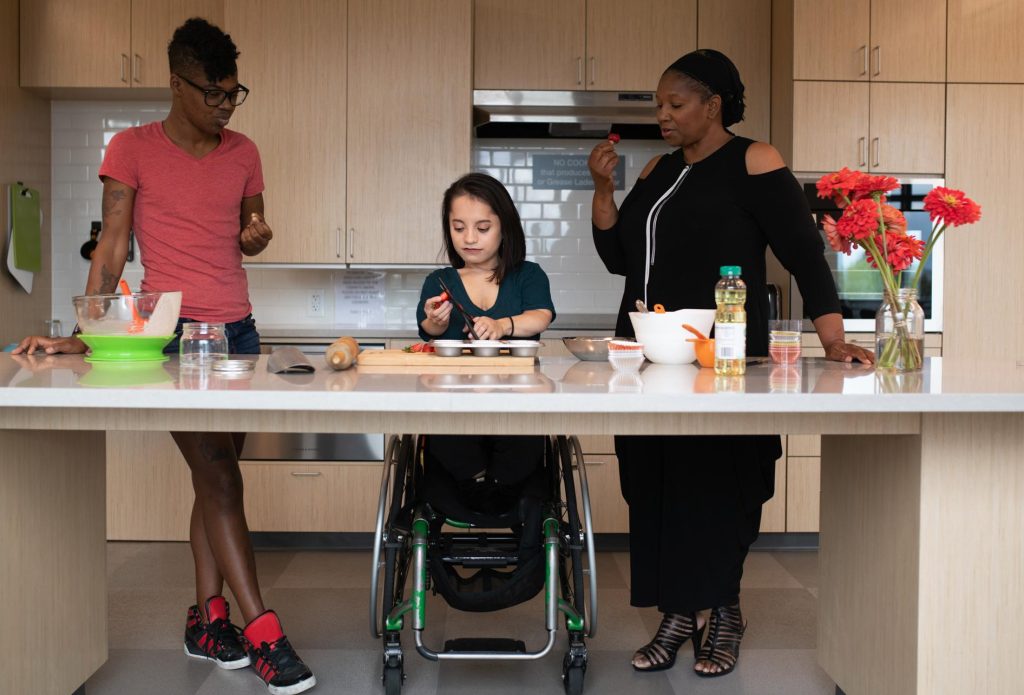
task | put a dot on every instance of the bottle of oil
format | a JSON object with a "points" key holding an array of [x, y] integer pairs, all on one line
{"points": [[730, 323]]}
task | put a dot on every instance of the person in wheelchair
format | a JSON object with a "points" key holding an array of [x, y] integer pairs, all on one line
{"points": [[498, 294]]}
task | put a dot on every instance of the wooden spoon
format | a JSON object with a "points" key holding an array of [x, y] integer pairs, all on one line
{"points": [[697, 333]]}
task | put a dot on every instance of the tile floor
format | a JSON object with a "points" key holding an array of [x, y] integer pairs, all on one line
{"points": [[322, 599]]}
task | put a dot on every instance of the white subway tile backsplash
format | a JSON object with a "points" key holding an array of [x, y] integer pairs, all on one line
{"points": [[556, 222]]}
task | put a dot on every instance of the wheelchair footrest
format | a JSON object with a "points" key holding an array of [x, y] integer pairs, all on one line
{"points": [[484, 644]]}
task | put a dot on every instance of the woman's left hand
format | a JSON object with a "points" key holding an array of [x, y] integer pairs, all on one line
{"points": [[488, 329], [841, 351]]}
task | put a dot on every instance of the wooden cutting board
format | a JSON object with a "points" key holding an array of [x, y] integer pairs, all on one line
{"points": [[400, 358]]}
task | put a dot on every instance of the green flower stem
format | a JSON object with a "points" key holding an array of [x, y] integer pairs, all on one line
{"points": [[900, 346], [934, 237]]}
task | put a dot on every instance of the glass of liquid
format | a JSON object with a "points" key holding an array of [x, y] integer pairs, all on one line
{"points": [[784, 340], [202, 344], [54, 329]]}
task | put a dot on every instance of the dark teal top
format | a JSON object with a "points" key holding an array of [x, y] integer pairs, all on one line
{"points": [[523, 289]]}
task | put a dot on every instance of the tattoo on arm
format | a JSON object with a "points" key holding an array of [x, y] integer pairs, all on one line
{"points": [[110, 201], [108, 281]]}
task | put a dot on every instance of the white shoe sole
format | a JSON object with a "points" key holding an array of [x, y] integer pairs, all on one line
{"points": [[226, 665], [300, 687]]}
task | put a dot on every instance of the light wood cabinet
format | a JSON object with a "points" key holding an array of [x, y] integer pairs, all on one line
{"points": [[529, 44], [984, 41], [149, 488], [870, 40], [289, 496], [296, 115], [103, 43], [984, 151], [741, 29], [879, 127], [409, 124], [580, 44]]}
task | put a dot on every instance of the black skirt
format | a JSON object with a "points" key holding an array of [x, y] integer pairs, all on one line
{"points": [[694, 510]]}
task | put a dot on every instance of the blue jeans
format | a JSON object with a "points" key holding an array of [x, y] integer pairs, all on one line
{"points": [[242, 336]]}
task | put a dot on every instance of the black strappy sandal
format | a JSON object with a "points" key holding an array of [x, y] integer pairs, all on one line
{"points": [[673, 632], [725, 630]]}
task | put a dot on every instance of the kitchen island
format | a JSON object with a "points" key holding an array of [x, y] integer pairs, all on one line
{"points": [[922, 528]]}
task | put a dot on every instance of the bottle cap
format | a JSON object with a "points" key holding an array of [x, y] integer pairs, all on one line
{"points": [[727, 270]]}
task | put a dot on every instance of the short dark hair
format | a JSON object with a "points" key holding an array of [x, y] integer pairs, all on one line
{"points": [[487, 189], [199, 44]]}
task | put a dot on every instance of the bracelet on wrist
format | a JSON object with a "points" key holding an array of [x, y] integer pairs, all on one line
{"points": [[511, 327]]}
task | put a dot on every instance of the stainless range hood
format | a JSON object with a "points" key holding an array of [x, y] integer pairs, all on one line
{"points": [[562, 114]]}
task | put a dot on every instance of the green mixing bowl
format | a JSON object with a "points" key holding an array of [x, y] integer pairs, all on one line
{"points": [[126, 348]]}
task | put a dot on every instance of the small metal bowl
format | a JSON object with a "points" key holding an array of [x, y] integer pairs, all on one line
{"points": [[588, 348], [448, 348], [523, 348], [485, 348]]}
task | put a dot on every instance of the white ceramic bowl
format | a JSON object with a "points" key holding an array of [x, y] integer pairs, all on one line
{"points": [[663, 337]]}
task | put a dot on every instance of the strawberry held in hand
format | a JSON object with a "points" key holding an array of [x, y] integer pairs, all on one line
{"points": [[614, 138]]}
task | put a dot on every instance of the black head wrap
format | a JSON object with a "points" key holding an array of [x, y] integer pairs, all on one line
{"points": [[714, 70]]}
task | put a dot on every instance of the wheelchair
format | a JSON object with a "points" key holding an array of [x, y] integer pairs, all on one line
{"points": [[428, 536]]}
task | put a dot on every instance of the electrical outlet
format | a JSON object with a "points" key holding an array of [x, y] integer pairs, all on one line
{"points": [[316, 303]]}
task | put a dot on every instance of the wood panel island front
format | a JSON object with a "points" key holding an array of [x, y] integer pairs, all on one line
{"points": [[922, 521]]}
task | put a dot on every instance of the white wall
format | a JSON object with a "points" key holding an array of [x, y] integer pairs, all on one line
{"points": [[557, 223]]}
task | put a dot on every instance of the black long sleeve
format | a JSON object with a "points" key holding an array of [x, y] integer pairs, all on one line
{"points": [[608, 242], [777, 202]]}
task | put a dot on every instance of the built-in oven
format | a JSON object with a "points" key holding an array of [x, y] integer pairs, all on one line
{"points": [[859, 285], [299, 446]]}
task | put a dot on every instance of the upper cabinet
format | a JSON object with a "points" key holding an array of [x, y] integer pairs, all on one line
{"points": [[296, 115], [870, 40], [884, 128], [409, 124], [529, 44], [103, 43], [742, 30], [984, 41], [580, 44]]}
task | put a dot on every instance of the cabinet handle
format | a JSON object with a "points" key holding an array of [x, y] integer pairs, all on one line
{"points": [[337, 242], [310, 474], [579, 70], [878, 60], [124, 68], [137, 68], [875, 147], [864, 54], [350, 242], [861, 153], [593, 69]]}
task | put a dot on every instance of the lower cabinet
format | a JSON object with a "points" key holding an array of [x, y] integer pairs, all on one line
{"points": [[291, 496]]}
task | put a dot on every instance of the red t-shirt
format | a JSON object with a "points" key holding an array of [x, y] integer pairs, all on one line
{"points": [[186, 216]]}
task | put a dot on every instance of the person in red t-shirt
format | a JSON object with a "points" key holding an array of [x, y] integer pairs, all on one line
{"points": [[193, 192]]}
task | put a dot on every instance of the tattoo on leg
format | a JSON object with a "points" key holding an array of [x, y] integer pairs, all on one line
{"points": [[213, 450], [110, 201]]}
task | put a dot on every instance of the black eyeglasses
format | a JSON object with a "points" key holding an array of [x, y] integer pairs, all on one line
{"points": [[216, 97]]}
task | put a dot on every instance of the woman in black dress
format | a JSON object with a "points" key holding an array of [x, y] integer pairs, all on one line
{"points": [[718, 199]]}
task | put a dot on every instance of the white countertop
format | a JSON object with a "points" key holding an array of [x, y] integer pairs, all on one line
{"points": [[556, 385]]}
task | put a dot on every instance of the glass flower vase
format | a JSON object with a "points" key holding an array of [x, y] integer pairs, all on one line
{"points": [[899, 332]]}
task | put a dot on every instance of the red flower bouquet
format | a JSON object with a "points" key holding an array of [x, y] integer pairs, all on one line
{"points": [[868, 222]]}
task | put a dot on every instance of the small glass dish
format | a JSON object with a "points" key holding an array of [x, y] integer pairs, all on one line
{"points": [[202, 344], [784, 339]]}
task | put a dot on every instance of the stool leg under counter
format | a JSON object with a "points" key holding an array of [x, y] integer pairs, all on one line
{"points": [[53, 576], [922, 558]]}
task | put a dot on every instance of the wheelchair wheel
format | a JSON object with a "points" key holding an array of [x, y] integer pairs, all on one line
{"points": [[393, 676], [573, 672], [571, 532]]}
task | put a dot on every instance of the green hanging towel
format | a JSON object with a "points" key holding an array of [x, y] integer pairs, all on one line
{"points": [[25, 228]]}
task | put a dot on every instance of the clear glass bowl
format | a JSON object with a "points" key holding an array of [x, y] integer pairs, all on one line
{"points": [[139, 313]]}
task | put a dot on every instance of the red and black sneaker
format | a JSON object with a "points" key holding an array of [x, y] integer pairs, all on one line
{"points": [[274, 658], [216, 640]]}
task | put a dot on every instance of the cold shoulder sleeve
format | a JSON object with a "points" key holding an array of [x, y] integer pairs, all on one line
{"points": [[781, 210], [608, 242]]}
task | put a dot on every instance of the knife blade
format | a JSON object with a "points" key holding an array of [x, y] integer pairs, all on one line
{"points": [[466, 316]]}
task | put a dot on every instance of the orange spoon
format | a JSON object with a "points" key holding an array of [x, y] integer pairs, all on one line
{"points": [[138, 323], [700, 336]]}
